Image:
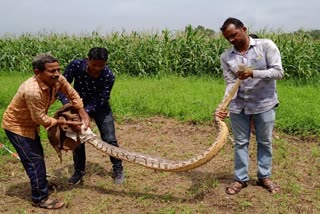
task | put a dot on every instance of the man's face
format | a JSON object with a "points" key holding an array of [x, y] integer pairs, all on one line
{"points": [[236, 36], [51, 73], [95, 67]]}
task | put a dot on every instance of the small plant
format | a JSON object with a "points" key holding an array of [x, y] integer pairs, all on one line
{"points": [[245, 205]]}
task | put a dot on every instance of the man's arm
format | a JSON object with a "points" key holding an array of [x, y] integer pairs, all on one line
{"points": [[101, 99], [273, 59], [229, 76], [69, 76], [230, 79], [75, 99], [37, 108]]}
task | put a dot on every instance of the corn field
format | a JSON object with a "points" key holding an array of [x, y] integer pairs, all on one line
{"points": [[139, 54]]}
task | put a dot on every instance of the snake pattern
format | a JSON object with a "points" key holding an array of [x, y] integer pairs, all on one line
{"points": [[59, 140]]}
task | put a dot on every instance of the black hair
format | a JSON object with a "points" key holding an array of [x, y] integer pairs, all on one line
{"points": [[98, 53], [230, 21], [40, 60], [253, 36]]}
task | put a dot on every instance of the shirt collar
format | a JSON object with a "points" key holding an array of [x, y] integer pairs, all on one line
{"points": [[42, 85], [252, 43]]}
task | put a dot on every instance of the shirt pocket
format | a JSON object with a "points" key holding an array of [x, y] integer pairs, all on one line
{"points": [[258, 63]]}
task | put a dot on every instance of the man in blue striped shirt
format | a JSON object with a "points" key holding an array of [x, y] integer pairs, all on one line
{"points": [[256, 98], [93, 80]]}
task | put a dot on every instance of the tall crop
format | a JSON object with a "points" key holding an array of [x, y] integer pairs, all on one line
{"points": [[159, 54]]}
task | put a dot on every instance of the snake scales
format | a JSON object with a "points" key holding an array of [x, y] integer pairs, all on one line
{"points": [[59, 140]]}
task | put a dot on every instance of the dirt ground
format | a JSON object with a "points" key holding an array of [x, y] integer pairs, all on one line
{"points": [[202, 190]]}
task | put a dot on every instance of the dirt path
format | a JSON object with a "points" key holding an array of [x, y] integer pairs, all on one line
{"points": [[296, 168]]}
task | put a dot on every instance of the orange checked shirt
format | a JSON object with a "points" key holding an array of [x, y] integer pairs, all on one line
{"points": [[28, 108]]}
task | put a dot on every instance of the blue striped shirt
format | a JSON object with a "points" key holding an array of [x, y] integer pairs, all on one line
{"points": [[95, 92], [257, 94]]}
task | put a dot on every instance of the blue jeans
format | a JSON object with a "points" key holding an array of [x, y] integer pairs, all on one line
{"points": [[240, 124], [105, 123], [32, 158]]}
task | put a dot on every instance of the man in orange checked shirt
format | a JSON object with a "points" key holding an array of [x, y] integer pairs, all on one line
{"points": [[27, 111]]}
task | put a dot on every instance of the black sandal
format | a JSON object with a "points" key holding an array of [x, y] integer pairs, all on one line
{"points": [[49, 204]]}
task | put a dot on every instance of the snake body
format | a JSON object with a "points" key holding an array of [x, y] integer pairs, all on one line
{"points": [[59, 140]]}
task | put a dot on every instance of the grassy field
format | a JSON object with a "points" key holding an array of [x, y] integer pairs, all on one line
{"points": [[171, 117], [167, 86], [195, 98], [190, 99]]}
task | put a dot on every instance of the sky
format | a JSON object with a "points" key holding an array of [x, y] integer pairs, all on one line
{"points": [[77, 17]]}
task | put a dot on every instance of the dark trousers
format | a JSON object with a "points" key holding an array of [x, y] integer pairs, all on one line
{"points": [[104, 120], [32, 158]]}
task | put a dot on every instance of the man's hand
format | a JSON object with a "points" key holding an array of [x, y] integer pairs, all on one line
{"points": [[244, 72], [221, 114], [62, 121], [72, 123], [85, 118]]}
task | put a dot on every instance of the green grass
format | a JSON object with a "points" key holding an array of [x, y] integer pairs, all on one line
{"points": [[186, 99], [9, 84], [195, 98], [189, 99], [299, 111]]}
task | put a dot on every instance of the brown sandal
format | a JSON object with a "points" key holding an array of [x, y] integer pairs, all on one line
{"points": [[235, 187], [49, 204], [268, 184]]}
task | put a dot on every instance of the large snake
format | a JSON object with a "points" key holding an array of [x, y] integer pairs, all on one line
{"points": [[59, 140]]}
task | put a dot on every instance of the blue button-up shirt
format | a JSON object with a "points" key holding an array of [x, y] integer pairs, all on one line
{"points": [[257, 94], [95, 92]]}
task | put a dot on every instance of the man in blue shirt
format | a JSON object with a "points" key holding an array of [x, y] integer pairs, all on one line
{"points": [[93, 80], [257, 62]]}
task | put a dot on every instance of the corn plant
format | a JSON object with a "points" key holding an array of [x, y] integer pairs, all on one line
{"points": [[184, 53]]}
